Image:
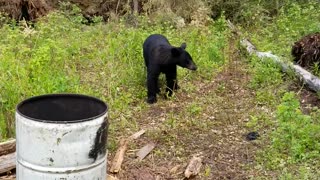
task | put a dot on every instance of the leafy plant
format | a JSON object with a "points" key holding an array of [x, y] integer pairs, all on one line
{"points": [[266, 73], [295, 141], [296, 133]]}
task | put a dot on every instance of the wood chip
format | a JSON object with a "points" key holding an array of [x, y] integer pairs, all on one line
{"points": [[118, 158], [109, 177], [7, 147], [143, 152], [7, 162], [194, 167], [137, 134], [174, 169]]}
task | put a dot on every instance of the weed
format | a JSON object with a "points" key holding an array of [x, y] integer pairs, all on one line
{"points": [[295, 141], [266, 73]]}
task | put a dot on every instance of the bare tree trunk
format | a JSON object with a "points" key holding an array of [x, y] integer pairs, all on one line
{"points": [[135, 7], [118, 3]]}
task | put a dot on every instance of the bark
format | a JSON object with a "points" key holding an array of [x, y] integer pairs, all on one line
{"points": [[7, 147], [7, 163]]}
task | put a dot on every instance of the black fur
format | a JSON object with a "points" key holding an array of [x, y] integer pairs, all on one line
{"points": [[161, 57]]}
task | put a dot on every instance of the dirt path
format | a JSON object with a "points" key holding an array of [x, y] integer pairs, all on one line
{"points": [[209, 119]]}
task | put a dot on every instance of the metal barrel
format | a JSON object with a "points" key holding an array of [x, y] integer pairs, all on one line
{"points": [[61, 137]]}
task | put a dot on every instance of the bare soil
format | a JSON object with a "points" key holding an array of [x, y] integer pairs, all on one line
{"points": [[308, 99]]}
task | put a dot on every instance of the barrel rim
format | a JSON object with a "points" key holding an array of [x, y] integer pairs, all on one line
{"points": [[33, 98]]}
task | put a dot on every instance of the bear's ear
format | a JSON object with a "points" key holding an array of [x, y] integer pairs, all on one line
{"points": [[183, 46], [175, 52]]}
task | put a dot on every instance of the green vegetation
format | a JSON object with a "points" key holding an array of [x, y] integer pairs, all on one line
{"points": [[290, 25], [294, 143], [63, 55]]}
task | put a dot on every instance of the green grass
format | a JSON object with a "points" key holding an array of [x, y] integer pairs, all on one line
{"points": [[104, 60], [293, 22], [292, 137]]}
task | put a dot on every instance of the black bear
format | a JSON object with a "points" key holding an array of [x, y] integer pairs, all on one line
{"points": [[161, 57]]}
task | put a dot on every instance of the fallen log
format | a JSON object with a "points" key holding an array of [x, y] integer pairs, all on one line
{"points": [[7, 147], [306, 77], [7, 162]]}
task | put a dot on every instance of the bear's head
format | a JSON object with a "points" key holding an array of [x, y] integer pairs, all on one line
{"points": [[183, 58]]}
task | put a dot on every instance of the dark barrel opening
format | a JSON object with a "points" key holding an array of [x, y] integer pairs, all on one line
{"points": [[62, 108]]}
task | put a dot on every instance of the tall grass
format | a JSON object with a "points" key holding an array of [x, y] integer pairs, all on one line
{"points": [[63, 55]]}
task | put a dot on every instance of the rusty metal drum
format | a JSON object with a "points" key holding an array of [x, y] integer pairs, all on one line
{"points": [[61, 137]]}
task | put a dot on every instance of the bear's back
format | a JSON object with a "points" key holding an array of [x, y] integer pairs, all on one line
{"points": [[153, 47], [155, 40]]}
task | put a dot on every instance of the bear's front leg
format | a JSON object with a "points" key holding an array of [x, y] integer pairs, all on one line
{"points": [[171, 77], [152, 81]]}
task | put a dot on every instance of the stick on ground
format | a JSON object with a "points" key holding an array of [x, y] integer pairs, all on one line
{"points": [[118, 158], [144, 151], [137, 134]]}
